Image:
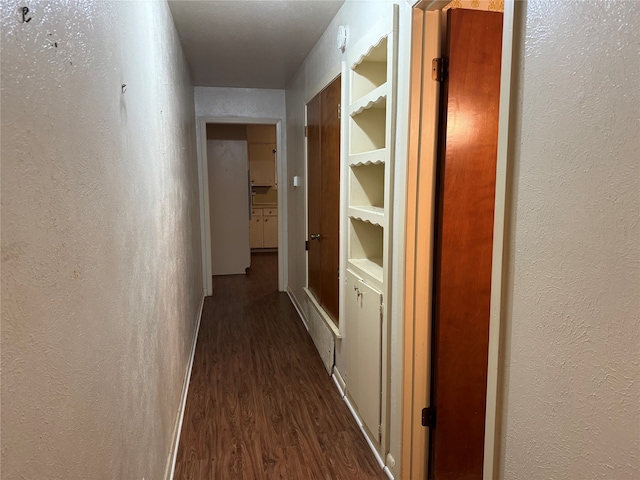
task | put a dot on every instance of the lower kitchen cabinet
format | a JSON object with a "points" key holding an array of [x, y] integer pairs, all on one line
{"points": [[263, 228], [364, 351]]}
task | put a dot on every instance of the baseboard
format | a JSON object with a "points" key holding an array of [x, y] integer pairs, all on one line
{"points": [[298, 308], [177, 430], [339, 381]]}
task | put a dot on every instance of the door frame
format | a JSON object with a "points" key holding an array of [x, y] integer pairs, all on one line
{"points": [[336, 330], [203, 175], [414, 361]]}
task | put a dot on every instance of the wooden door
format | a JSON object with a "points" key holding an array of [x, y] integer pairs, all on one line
{"points": [[464, 238], [314, 195], [330, 214], [323, 174]]}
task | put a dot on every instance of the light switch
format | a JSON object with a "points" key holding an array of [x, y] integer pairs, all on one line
{"points": [[296, 181]]}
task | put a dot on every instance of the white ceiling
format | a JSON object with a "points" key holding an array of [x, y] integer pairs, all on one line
{"points": [[249, 43]]}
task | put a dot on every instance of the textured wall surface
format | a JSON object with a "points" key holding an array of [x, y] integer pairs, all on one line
{"points": [[572, 345], [101, 280], [239, 102], [321, 66]]}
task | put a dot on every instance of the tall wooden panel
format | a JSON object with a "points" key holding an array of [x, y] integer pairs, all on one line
{"points": [[466, 196], [314, 193], [330, 219], [323, 167]]}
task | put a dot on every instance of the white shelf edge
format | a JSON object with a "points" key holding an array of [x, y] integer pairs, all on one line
{"points": [[363, 57], [373, 157], [369, 269], [372, 215], [370, 100]]}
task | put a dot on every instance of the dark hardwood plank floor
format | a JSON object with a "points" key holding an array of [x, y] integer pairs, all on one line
{"points": [[260, 403]]}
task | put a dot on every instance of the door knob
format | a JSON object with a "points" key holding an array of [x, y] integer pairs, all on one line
{"points": [[315, 236]]}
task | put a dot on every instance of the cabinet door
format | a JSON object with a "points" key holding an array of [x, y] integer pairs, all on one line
{"points": [[270, 228], [364, 350], [261, 133], [256, 235], [352, 308], [262, 164], [369, 357]]}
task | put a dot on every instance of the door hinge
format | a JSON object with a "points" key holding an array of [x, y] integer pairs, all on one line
{"points": [[339, 110], [439, 69], [428, 417], [306, 245], [306, 131]]}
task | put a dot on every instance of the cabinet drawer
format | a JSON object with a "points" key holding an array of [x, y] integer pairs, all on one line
{"points": [[256, 212], [270, 212]]}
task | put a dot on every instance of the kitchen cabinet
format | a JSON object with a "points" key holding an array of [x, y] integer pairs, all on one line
{"points": [[262, 155], [364, 355], [262, 164], [263, 228]]}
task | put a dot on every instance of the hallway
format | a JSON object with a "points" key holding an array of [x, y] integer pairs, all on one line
{"points": [[260, 404]]}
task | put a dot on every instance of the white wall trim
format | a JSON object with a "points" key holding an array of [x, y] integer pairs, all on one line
{"points": [[364, 432], [177, 429], [205, 221], [339, 381], [491, 436]]}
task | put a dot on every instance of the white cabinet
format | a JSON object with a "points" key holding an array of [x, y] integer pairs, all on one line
{"points": [[263, 228], [256, 229], [262, 155], [364, 334], [270, 227], [262, 164], [370, 73]]}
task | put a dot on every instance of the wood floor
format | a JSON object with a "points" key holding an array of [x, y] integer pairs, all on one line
{"points": [[260, 403]]}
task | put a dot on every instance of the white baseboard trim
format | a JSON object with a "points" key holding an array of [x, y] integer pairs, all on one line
{"points": [[364, 433], [388, 473], [339, 381], [177, 430], [340, 385], [298, 308]]}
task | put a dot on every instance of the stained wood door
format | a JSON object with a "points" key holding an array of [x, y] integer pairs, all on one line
{"points": [[314, 195], [323, 174], [464, 237]]}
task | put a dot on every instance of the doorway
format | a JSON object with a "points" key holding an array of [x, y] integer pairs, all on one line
{"points": [[279, 212], [424, 261], [323, 201]]}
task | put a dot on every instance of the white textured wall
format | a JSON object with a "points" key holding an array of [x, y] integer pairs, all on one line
{"points": [[239, 102], [101, 279], [572, 345], [320, 67]]}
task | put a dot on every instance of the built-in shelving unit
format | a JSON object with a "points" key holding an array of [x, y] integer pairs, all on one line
{"points": [[368, 131]]}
